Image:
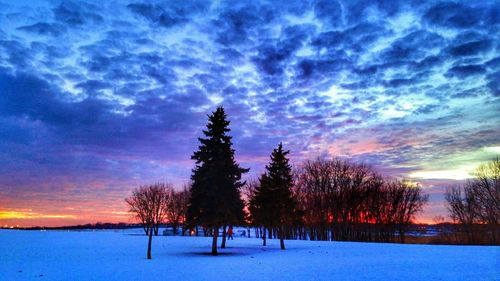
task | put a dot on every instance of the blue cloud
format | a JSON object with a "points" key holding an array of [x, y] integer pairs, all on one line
{"points": [[494, 83], [330, 11], [451, 14], [462, 71], [472, 48], [156, 14], [43, 28], [74, 14]]}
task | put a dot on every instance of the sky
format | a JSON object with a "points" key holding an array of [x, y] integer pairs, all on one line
{"points": [[99, 97]]}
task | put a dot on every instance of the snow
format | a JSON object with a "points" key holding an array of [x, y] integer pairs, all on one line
{"points": [[120, 255]]}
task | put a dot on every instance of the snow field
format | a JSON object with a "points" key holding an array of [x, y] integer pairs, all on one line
{"points": [[120, 255]]}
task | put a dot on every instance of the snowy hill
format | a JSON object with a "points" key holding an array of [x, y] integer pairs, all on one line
{"points": [[120, 255]]}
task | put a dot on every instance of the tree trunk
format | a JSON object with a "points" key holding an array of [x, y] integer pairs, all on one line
{"points": [[149, 243], [402, 236], [264, 238], [282, 241], [223, 244], [214, 240]]}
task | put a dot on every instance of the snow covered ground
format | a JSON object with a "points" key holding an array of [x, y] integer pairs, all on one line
{"points": [[120, 255]]}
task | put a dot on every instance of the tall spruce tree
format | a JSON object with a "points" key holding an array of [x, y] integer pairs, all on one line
{"points": [[273, 204], [216, 180]]}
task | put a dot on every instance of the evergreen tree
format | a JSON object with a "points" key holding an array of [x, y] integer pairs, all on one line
{"points": [[273, 204], [261, 206], [216, 180]]}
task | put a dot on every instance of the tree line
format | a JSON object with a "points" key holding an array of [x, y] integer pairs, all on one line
{"points": [[322, 199], [341, 200]]}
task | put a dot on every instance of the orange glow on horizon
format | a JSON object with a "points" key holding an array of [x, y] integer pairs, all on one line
{"points": [[4, 215], [32, 219]]}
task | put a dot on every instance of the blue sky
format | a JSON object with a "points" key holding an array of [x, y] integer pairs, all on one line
{"points": [[98, 97]]}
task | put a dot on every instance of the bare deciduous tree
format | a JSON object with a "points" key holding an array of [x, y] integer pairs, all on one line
{"points": [[405, 200], [486, 187], [149, 204], [476, 204], [462, 205], [177, 208], [343, 200]]}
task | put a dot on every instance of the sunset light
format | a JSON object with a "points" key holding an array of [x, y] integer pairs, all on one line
{"points": [[97, 108], [291, 123]]}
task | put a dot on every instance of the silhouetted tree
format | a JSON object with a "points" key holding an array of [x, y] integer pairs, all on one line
{"points": [[486, 186], [405, 199], [149, 205], [177, 208], [273, 204], [216, 179], [343, 200], [248, 192], [336, 196], [463, 208], [477, 202], [262, 213]]}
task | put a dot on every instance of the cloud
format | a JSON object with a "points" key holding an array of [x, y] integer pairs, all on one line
{"points": [[451, 14], [72, 13], [156, 14], [330, 11], [472, 48], [494, 83], [97, 98], [43, 28], [459, 166], [238, 25], [463, 71]]}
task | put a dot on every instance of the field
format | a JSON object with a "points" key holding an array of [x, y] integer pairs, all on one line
{"points": [[120, 255]]}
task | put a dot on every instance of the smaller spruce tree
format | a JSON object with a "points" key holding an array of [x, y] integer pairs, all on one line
{"points": [[273, 204]]}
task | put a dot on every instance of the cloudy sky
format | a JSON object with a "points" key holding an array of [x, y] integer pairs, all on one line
{"points": [[98, 97]]}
